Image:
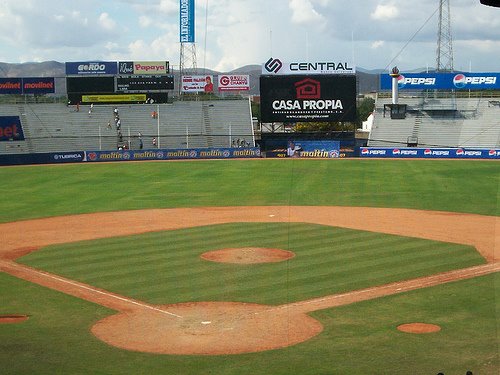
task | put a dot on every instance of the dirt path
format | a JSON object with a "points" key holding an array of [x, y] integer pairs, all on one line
{"points": [[219, 328]]}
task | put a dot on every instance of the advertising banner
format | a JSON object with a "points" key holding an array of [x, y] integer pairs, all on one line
{"points": [[187, 21], [429, 153], [443, 81], [114, 98], [311, 98], [91, 68], [43, 85], [275, 66], [43, 158], [11, 86], [234, 83], [313, 149], [11, 129], [197, 83], [145, 67], [173, 154]]}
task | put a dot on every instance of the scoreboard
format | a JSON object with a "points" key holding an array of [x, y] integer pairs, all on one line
{"points": [[144, 83]]}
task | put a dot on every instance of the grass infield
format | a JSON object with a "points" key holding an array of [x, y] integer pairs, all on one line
{"points": [[358, 339]]}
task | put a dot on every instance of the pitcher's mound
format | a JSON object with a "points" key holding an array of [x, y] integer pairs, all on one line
{"points": [[248, 255], [207, 328], [419, 328]]}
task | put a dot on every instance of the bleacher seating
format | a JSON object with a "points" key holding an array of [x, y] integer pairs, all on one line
{"points": [[438, 122], [190, 124]]}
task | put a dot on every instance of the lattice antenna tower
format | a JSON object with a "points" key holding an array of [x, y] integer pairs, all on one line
{"points": [[444, 53], [188, 64]]}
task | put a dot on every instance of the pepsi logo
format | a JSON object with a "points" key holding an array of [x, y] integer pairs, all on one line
{"points": [[428, 152], [365, 151], [460, 152], [459, 81], [401, 81], [396, 151], [492, 153]]}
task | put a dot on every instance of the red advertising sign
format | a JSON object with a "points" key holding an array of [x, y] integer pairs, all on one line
{"points": [[234, 82]]}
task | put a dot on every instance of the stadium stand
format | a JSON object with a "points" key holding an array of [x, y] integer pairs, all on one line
{"points": [[55, 127], [438, 122]]}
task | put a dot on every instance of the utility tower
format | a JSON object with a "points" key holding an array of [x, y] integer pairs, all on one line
{"points": [[187, 54], [444, 52]]}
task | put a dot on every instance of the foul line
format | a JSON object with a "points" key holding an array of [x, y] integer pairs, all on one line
{"points": [[83, 286]]}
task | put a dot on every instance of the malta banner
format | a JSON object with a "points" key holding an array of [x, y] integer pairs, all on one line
{"points": [[91, 68], [443, 81], [234, 82], [279, 67], [11, 86], [313, 149], [11, 129], [187, 21], [192, 84], [320, 98]]}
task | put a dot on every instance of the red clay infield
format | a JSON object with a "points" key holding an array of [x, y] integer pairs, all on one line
{"points": [[213, 328]]}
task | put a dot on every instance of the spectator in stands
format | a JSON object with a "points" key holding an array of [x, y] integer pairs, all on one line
{"points": [[115, 111], [109, 124], [78, 106], [154, 141], [118, 124], [120, 136]]}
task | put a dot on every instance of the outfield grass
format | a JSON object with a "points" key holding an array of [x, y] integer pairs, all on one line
{"points": [[165, 267], [459, 186]]}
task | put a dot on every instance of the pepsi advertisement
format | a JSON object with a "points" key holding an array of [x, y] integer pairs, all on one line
{"points": [[429, 153], [299, 98], [443, 81]]}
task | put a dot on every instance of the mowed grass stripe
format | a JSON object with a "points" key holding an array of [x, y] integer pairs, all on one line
{"points": [[165, 267]]}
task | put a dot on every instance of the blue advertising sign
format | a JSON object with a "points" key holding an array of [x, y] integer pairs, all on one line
{"points": [[429, 153], [173, 154], [313, 149], [91, 68], [42, 85], [42, 158], [186, 32], [11, 129], [443, 81], [11, 86]]}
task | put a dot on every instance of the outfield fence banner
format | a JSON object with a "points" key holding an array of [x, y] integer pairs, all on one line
{"points": [[322, 149], [172, 154], [443, 81], [11, 129], [43, 158], [429, 153], [234, 82], [120, 98], [91, 68]]}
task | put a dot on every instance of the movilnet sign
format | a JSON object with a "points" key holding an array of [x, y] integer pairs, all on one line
{"points": [[192, 84], [11, 129], [151, 67], [91, 68], [20, 86], [11, 86], [304, 99], [443, 81], [275, 66], [43, 85], [234, 82], [187, 21]]}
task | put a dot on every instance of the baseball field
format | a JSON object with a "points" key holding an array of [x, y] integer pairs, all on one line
{"points": [[250, 267]]}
